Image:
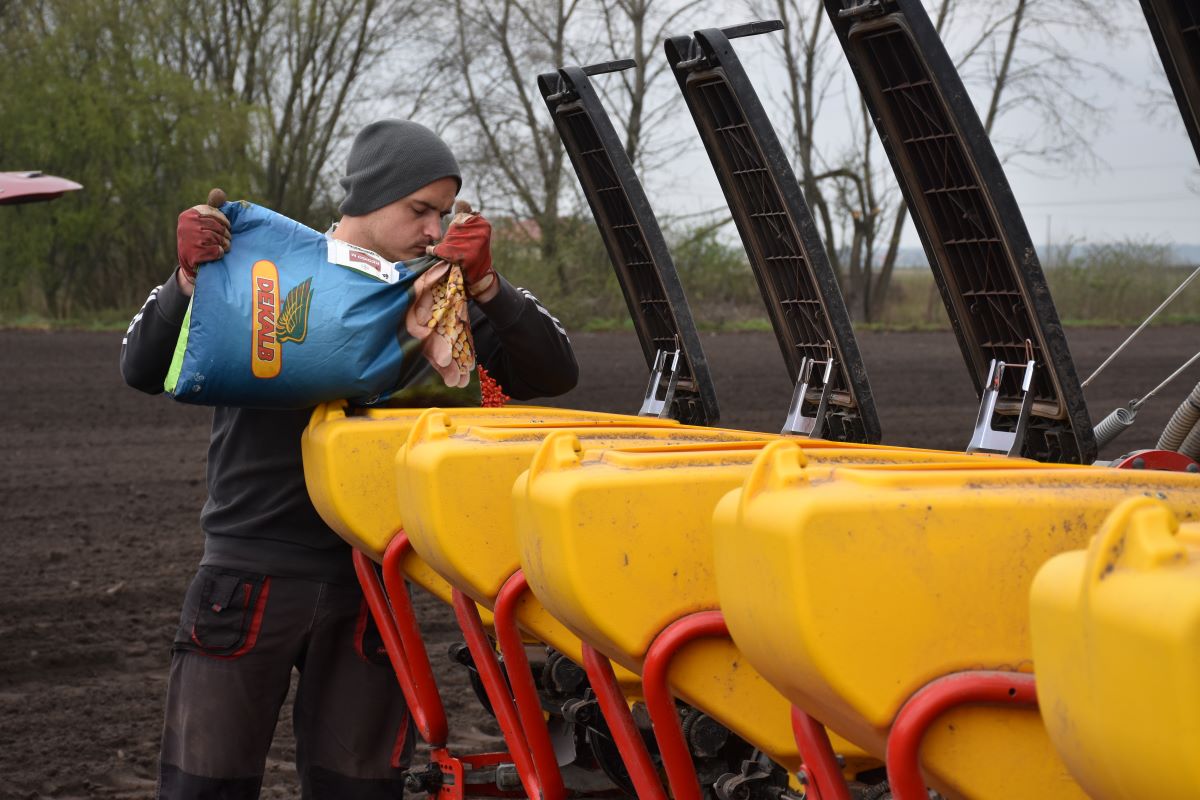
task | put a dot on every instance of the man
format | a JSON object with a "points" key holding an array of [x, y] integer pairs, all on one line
{"points": [[276, 587]]}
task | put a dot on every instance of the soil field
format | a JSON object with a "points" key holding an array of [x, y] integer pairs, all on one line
{"points": [[100, 490]]}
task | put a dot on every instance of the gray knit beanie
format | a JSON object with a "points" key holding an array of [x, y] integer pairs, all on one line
{"points": [[390, 159]]}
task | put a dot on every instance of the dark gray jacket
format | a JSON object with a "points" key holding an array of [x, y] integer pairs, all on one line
{"points": [[258, 516]]}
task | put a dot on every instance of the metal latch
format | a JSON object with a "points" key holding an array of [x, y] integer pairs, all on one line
{"points": [[664, 377], [814, 426], [987, 439], [564, 91], [864, 9]]}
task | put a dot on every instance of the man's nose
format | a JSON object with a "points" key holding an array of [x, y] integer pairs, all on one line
{"points": [[433, 230]]}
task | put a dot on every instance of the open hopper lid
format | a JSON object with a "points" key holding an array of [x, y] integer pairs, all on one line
{"points": [[973, 233], [32, 187], [833, 398], [1175, 26], [631, 234]]}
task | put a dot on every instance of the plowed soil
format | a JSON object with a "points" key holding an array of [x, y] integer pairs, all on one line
{"points": [[100, 490]]}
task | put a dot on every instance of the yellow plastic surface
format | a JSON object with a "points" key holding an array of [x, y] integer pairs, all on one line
{"points": [[349, 461], [1116, 649], [455, 484], [618, 545], [852, 596]]}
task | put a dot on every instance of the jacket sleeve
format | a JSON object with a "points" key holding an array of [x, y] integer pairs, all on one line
{"points": [[149, 343], [522, 345]]}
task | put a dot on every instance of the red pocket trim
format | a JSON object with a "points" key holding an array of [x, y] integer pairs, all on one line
{"points": [[360, 630], [260, 609]]}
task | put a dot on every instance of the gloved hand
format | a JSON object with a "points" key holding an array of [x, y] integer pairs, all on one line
{"points": [[202, 235], [468, 243]]}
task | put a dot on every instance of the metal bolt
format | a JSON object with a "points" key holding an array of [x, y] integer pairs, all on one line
{"points": [[1139, 463], [507, 778]]}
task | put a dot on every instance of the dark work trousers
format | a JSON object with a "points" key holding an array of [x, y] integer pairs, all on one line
{"points": [[239, 637]]}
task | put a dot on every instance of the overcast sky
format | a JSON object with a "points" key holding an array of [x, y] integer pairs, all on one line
{"points": [[1142, 190]]}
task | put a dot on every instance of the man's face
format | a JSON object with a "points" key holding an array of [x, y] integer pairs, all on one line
{"points": [[402, 230]]}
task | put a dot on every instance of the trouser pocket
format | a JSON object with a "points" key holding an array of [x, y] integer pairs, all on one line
{"points": [[222, 613]]}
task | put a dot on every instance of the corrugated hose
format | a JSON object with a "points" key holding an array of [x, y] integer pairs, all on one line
{"points": [[1182, 422]]}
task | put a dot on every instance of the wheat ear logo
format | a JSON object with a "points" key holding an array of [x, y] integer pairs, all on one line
{"points": [[293, 317]]}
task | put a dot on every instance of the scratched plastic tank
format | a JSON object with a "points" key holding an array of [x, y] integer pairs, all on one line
{"points": [[1116, 646], [349, 468], [617, 544], [850, 590], [455, 482], [349, 460]]}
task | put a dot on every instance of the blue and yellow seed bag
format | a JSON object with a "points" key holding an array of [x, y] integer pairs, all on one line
{"points": [[290, 318]]}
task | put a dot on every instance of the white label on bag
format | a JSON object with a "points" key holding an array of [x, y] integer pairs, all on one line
{"points": [[362, 260]]}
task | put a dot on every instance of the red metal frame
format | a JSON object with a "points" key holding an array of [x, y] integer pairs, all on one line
{"points": [[660, 703], [933, 700], [420, 670], [820, 765], [525, 693], [1167, 460], [497, 689], [824, 776], [620, 723], [397, 623], [430, 717]]}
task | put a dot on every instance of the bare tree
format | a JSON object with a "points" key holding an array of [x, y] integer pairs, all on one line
{"points": [[1011, 52], [308, 66], [636, 29], [509, 142]]}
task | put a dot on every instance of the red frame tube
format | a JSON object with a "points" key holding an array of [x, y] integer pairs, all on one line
{"points": [[933, 700], [420, 670], [825, 777], [660, 703], [620, 723], [429, 717], [467, 614], [525, 693]]}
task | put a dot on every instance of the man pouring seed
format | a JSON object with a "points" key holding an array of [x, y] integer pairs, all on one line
{"points": [[276, 588]]}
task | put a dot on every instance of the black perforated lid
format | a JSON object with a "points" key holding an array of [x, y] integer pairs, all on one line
{"points": [[631, 234], [973, 233], [786, 255], [1175, 26]]}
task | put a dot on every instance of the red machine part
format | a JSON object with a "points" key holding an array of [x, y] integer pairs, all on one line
{"points": [[1167, 460], [934, 699], [524, 690], [456, 777], [467, 614], [824, 777], [420, 670], [821, 771], [672, 746], [620, 723], [32, 187]]}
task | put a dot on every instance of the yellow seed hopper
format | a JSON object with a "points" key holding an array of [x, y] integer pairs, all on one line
{"points": [[349, 457], [455, 482], [618, 546], [349, 468], [851, 598], [1116, 644]]}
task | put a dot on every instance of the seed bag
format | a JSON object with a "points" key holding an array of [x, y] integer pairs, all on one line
{"points": [[290, 318]]}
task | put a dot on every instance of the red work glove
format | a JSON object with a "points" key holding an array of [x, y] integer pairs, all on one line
{"points": [[468, 243], [202, 235]]}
